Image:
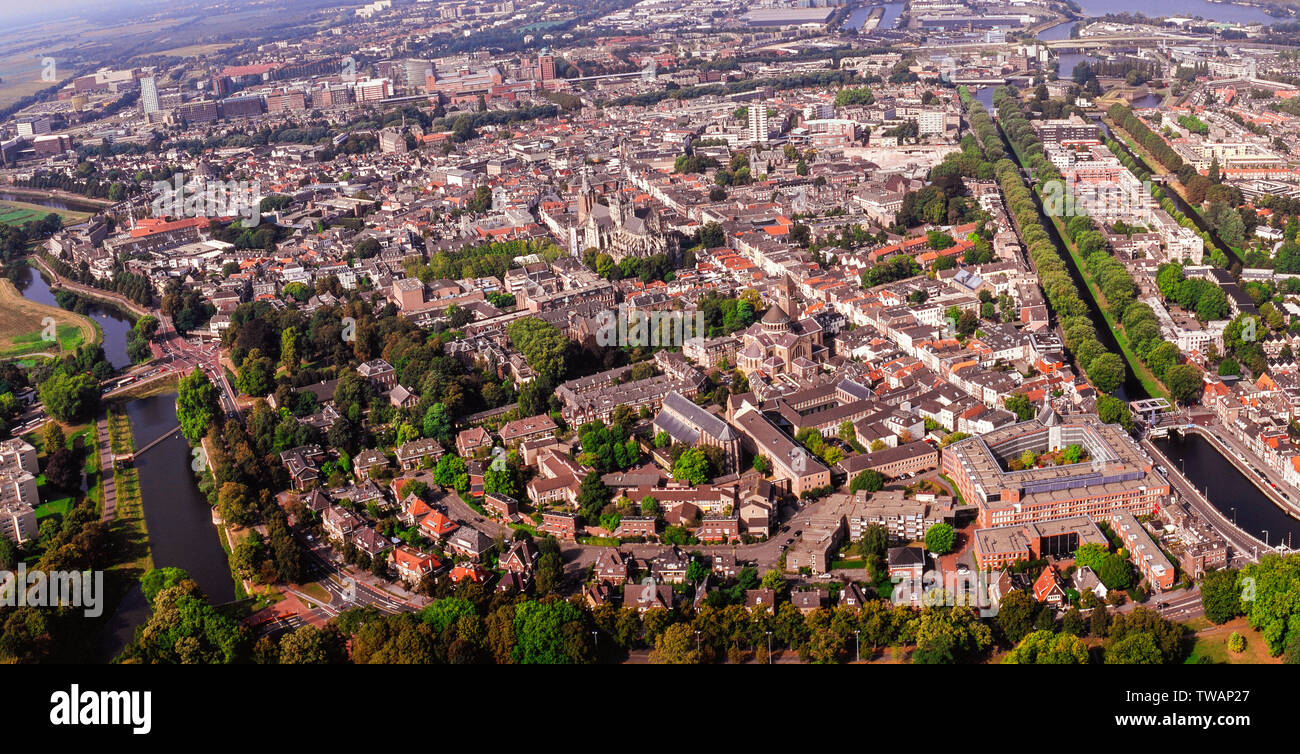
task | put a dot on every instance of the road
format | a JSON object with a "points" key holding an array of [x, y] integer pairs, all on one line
{"points": [[1267, 479], [1242, 543], [183, 355]]}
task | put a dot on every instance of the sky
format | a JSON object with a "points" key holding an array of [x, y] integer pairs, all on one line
{"points": [[37, 10]]}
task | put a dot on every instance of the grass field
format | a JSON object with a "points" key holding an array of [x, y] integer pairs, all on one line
{"points": [[17, 213], [1212, 644], [22, 326]]}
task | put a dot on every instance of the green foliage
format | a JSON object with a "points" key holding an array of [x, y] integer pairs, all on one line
{"points": [[1047, 648], [940, 538], [197, 405], [69, 398], [542, 344], [550, 633], [1221, 595]]}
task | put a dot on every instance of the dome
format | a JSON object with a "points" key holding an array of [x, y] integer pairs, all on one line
{"points": [[775, 316]]}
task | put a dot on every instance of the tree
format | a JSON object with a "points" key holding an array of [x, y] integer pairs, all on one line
{"points": [[1166, 635], [450, 471], [63, 470], [692, 466], [1220, 595], [1091, 555], [1112, 410], [950, 634], [1016, 612], [1133, 649], [310, 645], [289, 356], [237, 504], [1107, 372], [437, 422], [1274, 610], [542, 344], [52, 437], [197, 405], [593, 494], [549, 633], [869, 480], [1019, 405], [676, 646], [1047, 648], [940, 539], [501, 479], [256, 376], [69, 398], [1115, 572], [1185, 382]]}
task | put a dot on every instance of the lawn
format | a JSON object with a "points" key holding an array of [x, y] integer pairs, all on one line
{"points": [[1212, 644], [57, 507], [23, 323]]}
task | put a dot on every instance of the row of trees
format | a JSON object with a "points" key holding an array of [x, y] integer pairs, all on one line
{"points": [[1053, 275], [1152, 142]]}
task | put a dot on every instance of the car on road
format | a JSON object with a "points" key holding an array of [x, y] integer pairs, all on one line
{"points": [[789, 542]]}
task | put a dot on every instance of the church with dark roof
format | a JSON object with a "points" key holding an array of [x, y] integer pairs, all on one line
{"points": [[780, 342]]}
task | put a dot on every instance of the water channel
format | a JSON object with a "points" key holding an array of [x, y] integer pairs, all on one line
{"points": [[114, 324]]}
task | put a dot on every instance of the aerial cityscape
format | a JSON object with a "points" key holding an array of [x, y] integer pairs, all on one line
{"points": [[650, 332]]}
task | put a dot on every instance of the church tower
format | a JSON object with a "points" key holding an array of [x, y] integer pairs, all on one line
{"points": [[586, 199], [616, 205], [785, 298]]}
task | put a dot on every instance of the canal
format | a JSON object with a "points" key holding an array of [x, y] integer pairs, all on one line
{"points": [[859, 15], [181, 532], [1132, 388], [1181, 205], [177, 515], [112, 322], [1236, 497]]}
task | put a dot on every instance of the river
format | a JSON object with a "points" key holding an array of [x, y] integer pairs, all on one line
{"points": [[114, 324], [53, 202], [1228, 490], [1180, 8], [177, 515]]}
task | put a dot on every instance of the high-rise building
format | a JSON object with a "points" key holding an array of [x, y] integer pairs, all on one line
{"points": [[758, 126], [546, 67], [416, 73], [149, 95]]}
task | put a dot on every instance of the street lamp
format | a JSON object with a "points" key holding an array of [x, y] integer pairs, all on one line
{"points": [[697, 642], [857, 644], [769, 647], [1266, 538], [596, 640]]}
